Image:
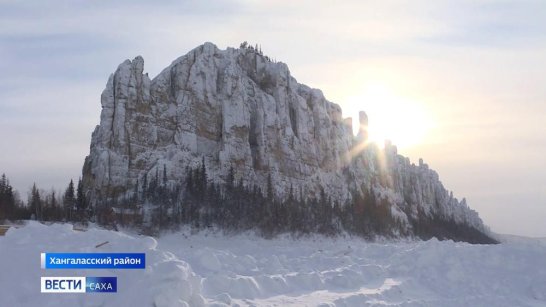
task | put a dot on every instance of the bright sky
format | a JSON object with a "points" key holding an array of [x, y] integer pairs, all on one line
{"points": [[461, 84]]}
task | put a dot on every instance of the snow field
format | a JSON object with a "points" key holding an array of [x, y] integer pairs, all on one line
{"points": [[249, 271], [244, 270], [166, 281]]}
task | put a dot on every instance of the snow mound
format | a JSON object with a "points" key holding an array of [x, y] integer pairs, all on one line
{"points": [[166, 281]]}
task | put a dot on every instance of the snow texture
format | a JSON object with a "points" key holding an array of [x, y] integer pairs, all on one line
{"points": [[166, 281], [245, 270]]}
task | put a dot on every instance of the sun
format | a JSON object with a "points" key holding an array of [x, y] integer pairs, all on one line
{"points": [[402, 120]]}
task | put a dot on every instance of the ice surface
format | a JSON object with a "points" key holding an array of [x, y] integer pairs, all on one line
{"points": [[221, 270]]}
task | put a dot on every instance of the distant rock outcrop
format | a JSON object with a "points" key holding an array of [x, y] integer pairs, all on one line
{"points": [[238, 110]]}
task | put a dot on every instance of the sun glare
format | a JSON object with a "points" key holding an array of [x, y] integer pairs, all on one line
{"points": [[401, 120]]}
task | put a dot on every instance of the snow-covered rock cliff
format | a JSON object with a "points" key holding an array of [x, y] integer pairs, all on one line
{"points": [[237, 109]]}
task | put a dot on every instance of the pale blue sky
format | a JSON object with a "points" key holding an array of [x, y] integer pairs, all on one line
{"points": [[475, 70]]}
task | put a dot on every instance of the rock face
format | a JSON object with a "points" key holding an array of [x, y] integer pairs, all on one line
{"points": [[237, 109]]}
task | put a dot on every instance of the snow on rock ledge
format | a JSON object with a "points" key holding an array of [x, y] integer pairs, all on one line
{"points": [[235, 108]]}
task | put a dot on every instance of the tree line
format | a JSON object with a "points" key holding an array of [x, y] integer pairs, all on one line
{"points": [[70, 206], [231, 206], [157, 204]]}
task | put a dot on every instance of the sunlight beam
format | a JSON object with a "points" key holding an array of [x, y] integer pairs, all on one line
{"points": [[399, 119]]}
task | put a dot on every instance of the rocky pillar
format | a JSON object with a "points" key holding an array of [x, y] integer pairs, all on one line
{"points": [[363, 130]]}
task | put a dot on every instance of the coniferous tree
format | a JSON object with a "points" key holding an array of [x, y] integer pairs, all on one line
{"points": [[164, 175], [231, 179], [145, 187], [51, 210], [69, 200], [35, 202], [269, 187], [81, 203], [7, 199], [204, 179], [135, 198]]}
